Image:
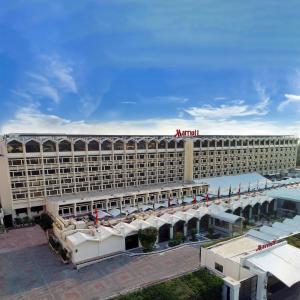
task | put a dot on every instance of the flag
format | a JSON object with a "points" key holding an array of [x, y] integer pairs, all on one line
{"points": [[195, 200], [230, 191], [239, 190], [249, 187], [206, 199], [218, 192], [96, 216]]}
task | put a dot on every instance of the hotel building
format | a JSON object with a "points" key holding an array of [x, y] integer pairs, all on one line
{"points": [[38, 167]]}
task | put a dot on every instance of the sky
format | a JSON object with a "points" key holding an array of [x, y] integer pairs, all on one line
{"points": [[150, 66]]}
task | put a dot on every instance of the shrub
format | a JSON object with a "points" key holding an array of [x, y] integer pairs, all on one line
{"points": [[193, 235], [148, 238], [179, 236], [174, 242], [210, 232], [26, 220], [46, 221], [18, 221]]}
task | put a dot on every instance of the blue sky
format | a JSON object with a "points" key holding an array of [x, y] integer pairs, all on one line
{"points": [[148, 66]]}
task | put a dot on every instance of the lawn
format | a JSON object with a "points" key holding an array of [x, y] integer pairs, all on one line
{"points": [[198, 285]]}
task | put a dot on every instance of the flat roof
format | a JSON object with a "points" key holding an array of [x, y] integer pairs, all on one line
{"points": [[285, 194], [235, 248], [8, 135], [124, 192]]}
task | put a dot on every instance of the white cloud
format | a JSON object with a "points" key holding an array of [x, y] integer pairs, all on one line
{"points": [[166, 99], [32, 120], [50, 78], [289, 100], [128, 102], [60, 72], [234, 108]]}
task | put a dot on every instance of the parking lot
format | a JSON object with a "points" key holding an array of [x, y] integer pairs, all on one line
{"points": [[29, 270]]}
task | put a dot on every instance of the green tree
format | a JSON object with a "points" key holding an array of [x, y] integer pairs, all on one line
{"points": [[147, 238], [46, 221]]}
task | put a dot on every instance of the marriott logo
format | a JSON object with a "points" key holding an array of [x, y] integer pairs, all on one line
{"points": [[183, 133]]}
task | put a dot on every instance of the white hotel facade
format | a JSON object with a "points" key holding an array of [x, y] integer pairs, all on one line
{"points": [[36, 168]]}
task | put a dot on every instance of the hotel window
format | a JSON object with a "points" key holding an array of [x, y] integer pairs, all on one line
{"points": [[152, 145], [32, 147], [130, 145], [180, 144], [141, 145], [106, 146], [49, 146], [14, 147], [118, 145], [79, 146], [171, 145], [93, 146], [64, 146]]}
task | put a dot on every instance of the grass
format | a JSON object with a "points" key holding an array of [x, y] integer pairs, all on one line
{"points": [[294, 240], [198, 285]]}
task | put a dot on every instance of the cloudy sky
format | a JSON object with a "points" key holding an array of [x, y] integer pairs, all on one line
{"points": [[150, 66]]}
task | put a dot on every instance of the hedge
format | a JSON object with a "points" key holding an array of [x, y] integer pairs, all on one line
{"points": [[198, 285]]}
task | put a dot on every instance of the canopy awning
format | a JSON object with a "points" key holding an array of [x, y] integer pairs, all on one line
{"points": [[283, 262], [223, 216], [114, 212]]}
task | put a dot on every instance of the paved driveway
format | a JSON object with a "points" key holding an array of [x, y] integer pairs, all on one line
{"points": [[29, 270]]}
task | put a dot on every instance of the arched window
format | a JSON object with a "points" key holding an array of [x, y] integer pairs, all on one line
{"points": [[141, 145], [32, 147], [106, 146], [171, 145], [49, 146], [205, 144], [162, 145], [180, 144], [93, 146], [14, 147], [79, 146], [64, 146], [130, 145], [119, 145], [152, 145], [197, 144]]}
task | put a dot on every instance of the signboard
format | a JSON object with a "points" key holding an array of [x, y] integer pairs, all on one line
{"points": [[270, 244], [185, 133]]}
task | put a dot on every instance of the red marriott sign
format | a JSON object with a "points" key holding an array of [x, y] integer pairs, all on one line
{"points": [[184, 133], [270, 244]]}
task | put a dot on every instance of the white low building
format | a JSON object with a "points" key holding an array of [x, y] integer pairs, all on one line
{"points": [[253, 264]]}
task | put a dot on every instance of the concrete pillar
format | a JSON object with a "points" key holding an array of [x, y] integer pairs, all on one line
{"points": [[75, 210], [261, 292], [250, 213], [241, 212], [267, 208], [230, 228], [258, 212], [234, 292], [275, 205], [185, 227], [171, 232], [198, 226], [188, 160]]}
